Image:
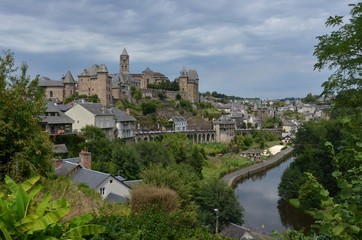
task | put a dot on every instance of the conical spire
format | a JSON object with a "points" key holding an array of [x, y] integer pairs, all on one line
{"points": [[124, 52], [68, 78]]}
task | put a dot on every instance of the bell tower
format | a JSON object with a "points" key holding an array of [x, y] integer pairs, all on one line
{"points": [[124, 62]]}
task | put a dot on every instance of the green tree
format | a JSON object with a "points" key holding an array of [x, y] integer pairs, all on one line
{"points": [[96, 142], [25, 150], [153, 153], [213, 194], [149, 107], [341, 51], [26, 215], [125, 161], [179, 178]]}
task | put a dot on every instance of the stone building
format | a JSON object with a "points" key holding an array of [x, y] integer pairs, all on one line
{"points": [[96, 81], [189, 84], [58, 90], [225, 129]]}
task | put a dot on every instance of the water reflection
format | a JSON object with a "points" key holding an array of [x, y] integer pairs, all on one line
{"points": [[293, 218], [263, 208]]}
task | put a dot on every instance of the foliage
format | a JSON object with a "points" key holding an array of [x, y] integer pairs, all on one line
{"points": [[289, 115], [145, 197], [125, 161], [290, 183], [25, 150], [213, 194], [310, 98], [212, 149], [149, 107], [272, 122], [179, 178], [165, 85], [153, 153], [96, 142], [340, 51], [152, 225], [310, 151], [216, 167], [24, 216]]}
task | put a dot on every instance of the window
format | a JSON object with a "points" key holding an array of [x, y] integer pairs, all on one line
{"points": [[51, 94], [110, 181], [102, 191]]}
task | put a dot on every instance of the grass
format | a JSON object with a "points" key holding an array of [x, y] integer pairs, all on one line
{"points": [[216, 167], [213, 149]]}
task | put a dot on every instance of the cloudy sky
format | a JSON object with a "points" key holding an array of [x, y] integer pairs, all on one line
{"points": [[247, 48]]}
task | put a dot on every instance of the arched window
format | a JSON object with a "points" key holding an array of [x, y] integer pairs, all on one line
{"points": [[51, 94]]}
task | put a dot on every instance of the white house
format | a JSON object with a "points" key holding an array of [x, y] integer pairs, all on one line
{"points": [[94, 114], [180, 123], [79, 170]]}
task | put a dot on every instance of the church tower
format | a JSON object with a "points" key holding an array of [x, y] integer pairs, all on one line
{"points": [[124, 62]]}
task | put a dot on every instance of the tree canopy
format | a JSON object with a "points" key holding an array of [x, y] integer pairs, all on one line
{"points": [[25, 150], [341, 51]]}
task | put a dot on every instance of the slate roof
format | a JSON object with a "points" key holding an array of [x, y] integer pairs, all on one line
{"points": [[72, 160], [96, 109], [177, 119], [237, 232], [59, 148], [65, 168], [120, 178], [122, 116], [89, 177], [111, 197], [68, 78], [47, 82], [60, 117]]}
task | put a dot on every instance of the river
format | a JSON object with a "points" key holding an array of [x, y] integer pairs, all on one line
{"points": [[263, 209]]}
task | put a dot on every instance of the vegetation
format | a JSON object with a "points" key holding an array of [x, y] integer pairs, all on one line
{"points": [[329, 153], [25, 216], [25, 148], [165, 85]]}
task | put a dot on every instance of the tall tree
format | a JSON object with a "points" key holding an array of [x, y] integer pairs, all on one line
{"points": [[341, 51], [25, 150]]}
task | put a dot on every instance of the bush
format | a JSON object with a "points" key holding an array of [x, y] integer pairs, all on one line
{"points": [[147, 196]]}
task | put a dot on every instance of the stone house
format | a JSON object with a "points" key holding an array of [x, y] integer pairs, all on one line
{"points": [[93, 114], [58, 90], [96, 81], [225, 129], [54, 121]]}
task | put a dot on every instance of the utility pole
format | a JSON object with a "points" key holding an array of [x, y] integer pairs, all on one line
{"points": [[217, 220]]}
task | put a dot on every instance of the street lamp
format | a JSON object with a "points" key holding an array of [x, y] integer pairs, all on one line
{"points": [[217, 220]]}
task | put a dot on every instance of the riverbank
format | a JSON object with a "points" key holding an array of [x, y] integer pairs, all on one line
{"points": [[232, 178]]}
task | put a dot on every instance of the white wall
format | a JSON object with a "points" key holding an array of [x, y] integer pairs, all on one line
{"points": [[81, 117]]}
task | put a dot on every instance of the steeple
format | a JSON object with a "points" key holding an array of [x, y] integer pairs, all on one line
{"points": [[124, 62], [68, 78], [124, 52]]}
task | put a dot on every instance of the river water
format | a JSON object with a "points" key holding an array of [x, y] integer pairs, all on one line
{"points": [[263, 209]]}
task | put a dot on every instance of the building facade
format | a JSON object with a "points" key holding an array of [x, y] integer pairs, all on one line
{"points": [[96, 81]]}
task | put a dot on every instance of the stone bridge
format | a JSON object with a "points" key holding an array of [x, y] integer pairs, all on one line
{"points": [[197, 136]]}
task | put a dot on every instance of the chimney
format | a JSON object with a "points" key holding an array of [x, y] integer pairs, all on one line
{"points": [[85, 159]]}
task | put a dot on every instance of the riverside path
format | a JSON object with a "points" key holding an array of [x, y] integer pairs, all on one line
{"points": [[233, 177]]}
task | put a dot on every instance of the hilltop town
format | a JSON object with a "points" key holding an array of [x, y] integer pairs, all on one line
{"points": [[141, 106]]}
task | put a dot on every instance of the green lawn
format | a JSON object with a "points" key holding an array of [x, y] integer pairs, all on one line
{"points": [[216, 167]]}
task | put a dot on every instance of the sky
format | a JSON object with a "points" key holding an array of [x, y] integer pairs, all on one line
{"points": [[245, 48]]}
